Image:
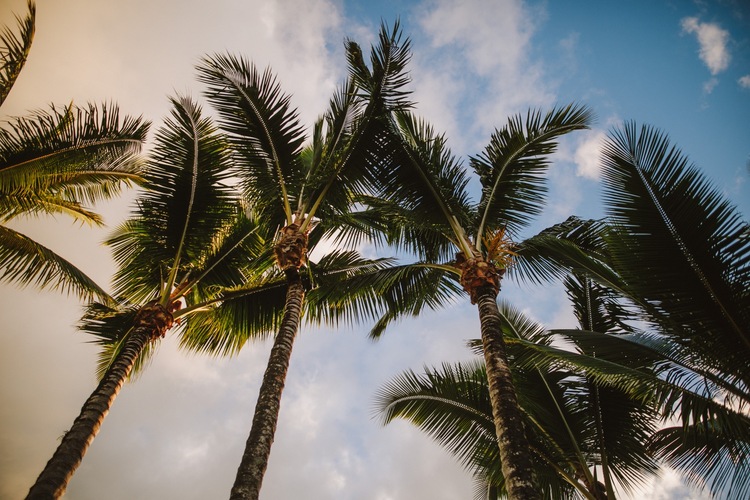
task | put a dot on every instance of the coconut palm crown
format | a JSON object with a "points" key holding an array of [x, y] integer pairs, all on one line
{"points": [[424, 198]]}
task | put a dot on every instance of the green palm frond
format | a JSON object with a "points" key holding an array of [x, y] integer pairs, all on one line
{"points": [[25, 262], [680, 245], [239, 249], [427, 181], [30, 203], [187, 202], [451, 404], [264, 129], [251, 311], [385, 222], [383, 83], [556, 251], [376, 290], [73, 153], [14, 50], [511, 168]]}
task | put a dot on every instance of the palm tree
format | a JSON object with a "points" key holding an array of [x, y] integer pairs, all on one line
{"points": [[293, 187], [52, 162], [575, 423], [684, 251], [429, 212], [182, 244]]}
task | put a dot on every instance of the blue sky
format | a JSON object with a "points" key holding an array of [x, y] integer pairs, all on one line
{"points": [[178, 430]]}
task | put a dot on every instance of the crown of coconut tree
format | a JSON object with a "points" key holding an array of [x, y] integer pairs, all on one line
{"points": [[430, 213]]}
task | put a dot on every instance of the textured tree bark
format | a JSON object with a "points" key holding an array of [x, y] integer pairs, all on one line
{"points": [[515, 452], [258, 447], [151, 323]]}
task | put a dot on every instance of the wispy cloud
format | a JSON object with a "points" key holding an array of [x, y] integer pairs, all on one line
{"points": [[713, 42], [479, 68], [744, 82]]}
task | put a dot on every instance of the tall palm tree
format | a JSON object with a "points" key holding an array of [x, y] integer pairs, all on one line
{"points": [[54, 162], [181, 247], [684, 251], [430, 213], [292, 186]]}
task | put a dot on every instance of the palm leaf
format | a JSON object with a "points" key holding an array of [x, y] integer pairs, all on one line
{"points": [[511, 168], [186, 204], [426, 180], [264, 129], [25, 262], [14, 49], [706, 458], [251, 311], [72, 153], [687, 243]]}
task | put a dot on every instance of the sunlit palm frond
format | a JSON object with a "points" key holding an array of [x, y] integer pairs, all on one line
{"points": [[186, 203], [251, 311], [29, 203], [88, 152], [264, 128], [14, 49], [512, 167], [25, 262]]}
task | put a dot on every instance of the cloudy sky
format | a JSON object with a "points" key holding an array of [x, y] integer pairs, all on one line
{"points": [[178, 431]]}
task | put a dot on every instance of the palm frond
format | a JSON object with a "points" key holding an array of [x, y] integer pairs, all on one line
{"points": [[264, 129], [186, 204], [14, 50], [554, 252], [384, 82], [511, 168], [427, 180], [358, 140], [73, 153], [451, 404], [680, 245], [251, 311], [25, 262], [385, 222]]}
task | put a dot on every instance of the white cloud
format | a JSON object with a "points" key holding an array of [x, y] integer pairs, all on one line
{"points": [[744, 82], [713, 43], [710, 85], [479, 70], [587, 154]]}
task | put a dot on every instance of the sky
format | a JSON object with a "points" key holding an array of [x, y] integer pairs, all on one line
{"points": [[178, 430]]}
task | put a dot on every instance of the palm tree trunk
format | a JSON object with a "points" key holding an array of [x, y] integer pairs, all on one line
{"points": [[151, 323], [515, 452], [258, 447]]}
